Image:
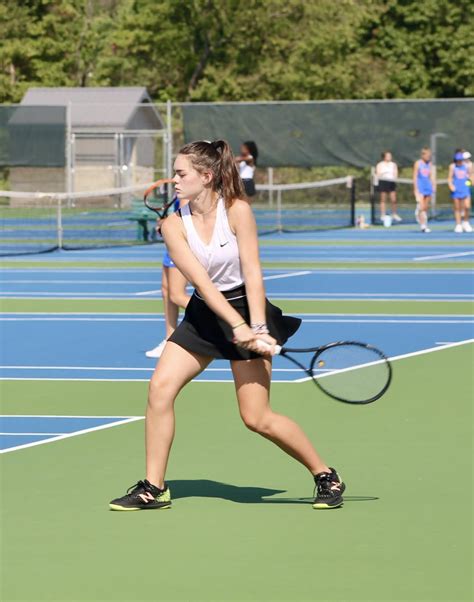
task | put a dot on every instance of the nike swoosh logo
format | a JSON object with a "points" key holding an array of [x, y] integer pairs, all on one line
{"points": [[226, 243]]}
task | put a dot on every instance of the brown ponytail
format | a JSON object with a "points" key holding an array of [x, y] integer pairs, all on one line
{"points": [[217, 157]]}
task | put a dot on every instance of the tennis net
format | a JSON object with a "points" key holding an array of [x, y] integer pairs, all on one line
{"points": [[42, 222], [306, 206], [34, 222], [441, 207]]}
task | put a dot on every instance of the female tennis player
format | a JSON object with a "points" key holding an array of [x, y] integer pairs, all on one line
{"points": [[213, 242], [424, 185], [247, 162], [386, 171], [173, 291], [459, 176]]}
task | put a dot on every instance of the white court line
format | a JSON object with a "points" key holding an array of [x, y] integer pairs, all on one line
{"points": [[75, 433], [158, 314], [427, 257], [287, 275], [203, 380], [121, 369], [467, 320], [274, 277], [393, 359], [143, 293]]}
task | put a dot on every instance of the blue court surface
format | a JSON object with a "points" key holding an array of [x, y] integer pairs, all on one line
{"points": [[356, 283], [19, 432], [112, 346]]}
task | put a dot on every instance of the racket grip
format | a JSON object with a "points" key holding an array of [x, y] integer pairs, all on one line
{"points": [[265, 346]]}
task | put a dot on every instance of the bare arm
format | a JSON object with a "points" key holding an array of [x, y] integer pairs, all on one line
{"points": [[450, 177], [415, 174], [396, 171], [242, 221]]}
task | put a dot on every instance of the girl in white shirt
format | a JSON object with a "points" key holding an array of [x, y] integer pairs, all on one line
{"points": [[386, 172], [213, 242], [247, 161]]}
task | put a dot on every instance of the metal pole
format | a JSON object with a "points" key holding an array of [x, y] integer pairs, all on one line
{"points": [[433, 138], [270, 184], [68, 150], [372, 196], [279, 218], [352, 197], [59, 223]]}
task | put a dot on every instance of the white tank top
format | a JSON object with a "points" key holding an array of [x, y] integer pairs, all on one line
{"points": [[246, 171], [220, 257], [385, 170]]}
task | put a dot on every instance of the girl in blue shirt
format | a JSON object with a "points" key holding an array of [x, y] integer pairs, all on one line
{"points": [[424, 185], [459, 177]]}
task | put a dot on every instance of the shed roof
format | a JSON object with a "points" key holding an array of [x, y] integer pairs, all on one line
{"points": [[104, 107]]}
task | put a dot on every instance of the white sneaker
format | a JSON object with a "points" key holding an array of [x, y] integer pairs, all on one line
{"points": [[458, 229], [425, 229], [396, 217], [156, 351], [466, 226]]}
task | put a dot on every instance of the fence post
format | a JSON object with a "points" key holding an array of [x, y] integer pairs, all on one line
{"points": [[372, 196]]}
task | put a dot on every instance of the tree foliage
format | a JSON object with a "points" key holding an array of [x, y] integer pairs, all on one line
{"points": [[212, 50]]}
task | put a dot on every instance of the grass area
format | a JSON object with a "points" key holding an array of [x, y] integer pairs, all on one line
{"points": [[155, 306], [241, 528]]}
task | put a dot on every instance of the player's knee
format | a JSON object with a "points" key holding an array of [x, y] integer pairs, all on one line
{"points": [[257, 423], [160, 393]]}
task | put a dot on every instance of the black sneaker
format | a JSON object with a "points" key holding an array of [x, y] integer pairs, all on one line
{"points": [[143, 496], [329, 490]]}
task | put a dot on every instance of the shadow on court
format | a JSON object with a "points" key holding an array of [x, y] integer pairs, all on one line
{"points": [[186, 488]]}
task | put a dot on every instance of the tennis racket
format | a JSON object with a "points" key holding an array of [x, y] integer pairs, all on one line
{"points": [[347, 371], [156, 197]]}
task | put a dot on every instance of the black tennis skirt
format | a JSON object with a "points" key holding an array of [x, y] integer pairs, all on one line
{"points": [[202, 331]]}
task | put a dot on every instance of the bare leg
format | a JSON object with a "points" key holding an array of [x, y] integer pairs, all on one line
{"points": [[467, 207], [457, 211], [382, 204], [177, 288], [175, 368], [423, 214], [171, 309], [252, 383], [393, 201]]}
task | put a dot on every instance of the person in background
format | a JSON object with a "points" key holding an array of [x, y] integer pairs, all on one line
{"points": [[173, 290], [424, 185], [247, 162], [459, 176], [386, 172]]}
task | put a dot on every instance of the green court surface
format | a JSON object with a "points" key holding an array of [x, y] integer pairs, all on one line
{"points": [[241, 527]]}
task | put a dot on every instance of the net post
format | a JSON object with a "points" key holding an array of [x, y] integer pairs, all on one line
{"points": [[352, 197], [59, 222], [372, 196], [279, 218]]}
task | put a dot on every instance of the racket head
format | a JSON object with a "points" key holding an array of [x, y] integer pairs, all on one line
{"points": [[351, 372], [156, 197]]}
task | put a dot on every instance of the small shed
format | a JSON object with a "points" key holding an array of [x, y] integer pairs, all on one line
{"points": [[113, 137]]}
